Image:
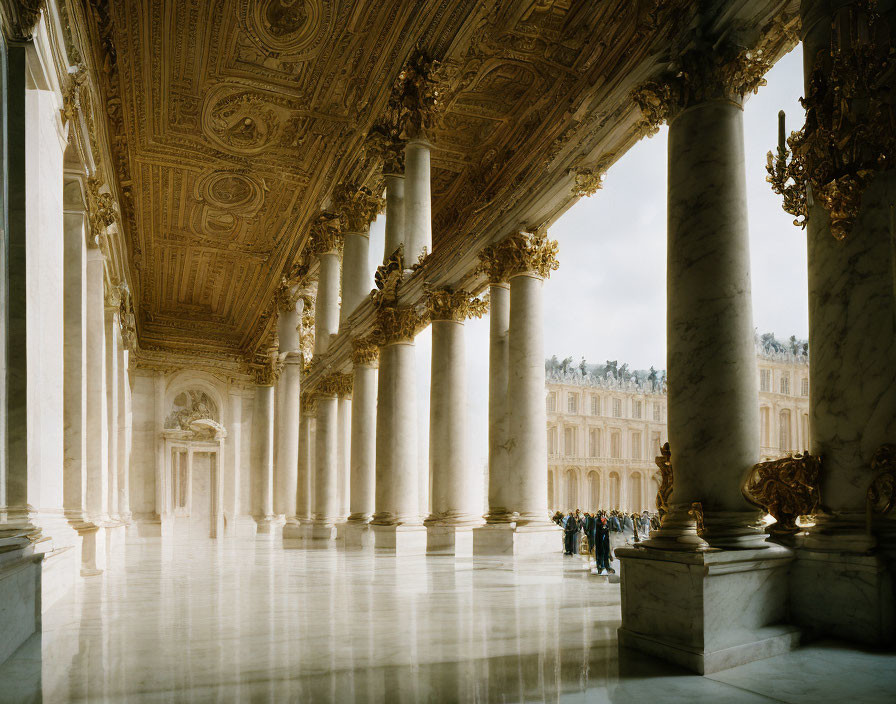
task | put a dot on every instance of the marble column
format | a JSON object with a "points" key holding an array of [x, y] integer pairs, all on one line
{"points": [[234, 426], [326, 244], [417, 203], [394, 213], [363, 445], [456, 503], [357, 207], [499, 487], [343, 452], [124, 435], [290, 306], [263, 429], [326, 447], [304, 493], [96, 428], [713, 416], [852, 338], [113, 345], [396, 523]]}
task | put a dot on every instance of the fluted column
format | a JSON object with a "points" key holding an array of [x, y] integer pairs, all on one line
{"points": [[343, 452], [363, 440], [394, 213], [357, 207], [417, 203], [326, 243], [263, 430], [96, 427], [113, 347], [125, 416], [326, 498], [290, 306], [713, 427]]}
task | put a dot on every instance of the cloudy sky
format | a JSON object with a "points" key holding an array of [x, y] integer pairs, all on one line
{"points": [[608, 299]]}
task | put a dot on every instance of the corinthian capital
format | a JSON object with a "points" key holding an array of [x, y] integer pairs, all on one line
{"points": [[418, 96], [384, 142], [397, 324], [445, 304], [357, 206], [335, 385], [703, 74], [326, 235], [365, 352], [521, 253], [100, 208]]}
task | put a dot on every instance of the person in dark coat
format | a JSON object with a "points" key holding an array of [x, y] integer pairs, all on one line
{"points": [[602, 545], [570, 530]]}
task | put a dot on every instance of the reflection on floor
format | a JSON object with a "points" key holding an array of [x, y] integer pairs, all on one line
{"points": [[249, 621]]}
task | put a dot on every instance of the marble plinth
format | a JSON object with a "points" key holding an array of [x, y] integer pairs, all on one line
{"points": [[449, 540], [399, 540], [239, 527], [706, 611], [20, 599], [508, 539], [294, 535], [845, 595], [321, 535], [358, 535], [269, 527]]}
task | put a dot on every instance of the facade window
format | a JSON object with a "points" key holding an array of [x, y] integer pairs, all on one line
{"points": [[785, 384], [572, 403], [657, 412], [572, 490], [784, 435], [617, 408], [595, 405], [569, 442], [552, 402], [594, 490], [656, 443], [765, 379], [804, 386], [594, 442], [616, 444], [552, 442], [764, 425], [636, 446], [636, 409]]}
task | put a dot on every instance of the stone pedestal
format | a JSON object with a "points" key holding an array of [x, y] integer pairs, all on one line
{"points": [[706, 611], [358, 535], [510, 539], [20, 596], [400, 539], [325, 484], [293, 535], [449, 539]]}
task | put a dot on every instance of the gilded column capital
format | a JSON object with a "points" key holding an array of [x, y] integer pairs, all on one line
{"points": [[126, 318], [418, 96], [397, 324], [335, 385], [702, 74], [385, 144], [457, 306], [521, 253], [101, 209], [357, 206], [112, 297], [309, 405], [326, 235], [266, 375], [388, 277], [365, 352]]}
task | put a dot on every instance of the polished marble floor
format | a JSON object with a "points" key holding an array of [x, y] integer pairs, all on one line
{"points": [[249, 621]]}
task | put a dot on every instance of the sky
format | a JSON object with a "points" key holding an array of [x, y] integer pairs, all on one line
{"points": [[608, 298]]}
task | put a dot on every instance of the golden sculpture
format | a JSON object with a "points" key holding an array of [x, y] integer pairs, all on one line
{"points": [[882, 492], [521, 253], [446, 304], [786, 488], [664, 462], [850, 129]]}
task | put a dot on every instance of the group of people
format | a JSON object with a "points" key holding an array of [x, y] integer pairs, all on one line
{"points": [[596, 528]]}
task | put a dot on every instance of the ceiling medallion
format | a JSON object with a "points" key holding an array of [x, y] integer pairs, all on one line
{"points": [[293, 27]]}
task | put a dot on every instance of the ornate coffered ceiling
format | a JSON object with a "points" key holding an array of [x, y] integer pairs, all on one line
{"points": [[233, 121]]}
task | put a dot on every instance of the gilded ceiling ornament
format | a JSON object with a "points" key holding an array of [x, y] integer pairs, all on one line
{"points": [[357, 206], [20, 17], [702, 74], [101, 209], [112, 296], [397, 324], [419, 92], [335, 385], [882, 492], [588, 182], [520, 253], [786, 488], [242, 122], [294, 28], [664, 462], [365, 352], [127, 319], [446, 304], [326, 235], [850, 131]]}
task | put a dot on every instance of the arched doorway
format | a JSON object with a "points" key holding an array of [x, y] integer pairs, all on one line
{"points": [[614, 490], [593, 491], [635, 500], [572, 490]]}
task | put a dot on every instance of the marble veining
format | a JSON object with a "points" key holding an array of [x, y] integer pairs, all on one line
{"points": [[245, 620]]}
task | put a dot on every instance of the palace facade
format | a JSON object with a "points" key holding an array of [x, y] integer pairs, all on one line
{"points": [[604, 432]]}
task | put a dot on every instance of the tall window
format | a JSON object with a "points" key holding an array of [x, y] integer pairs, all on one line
{"points": [[594, 442], [804, 386], [657, 412], [572, 403], [636, 446], [572, 490], [784, 435], [594, 490], [785, 384], [552, 402], [617, 408], [595, 405], [552, 442], [614, 490], [635, 503], [616, 444], [569, 442], [764, 425], [765, 379], [636, 409], [656, 443]]}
